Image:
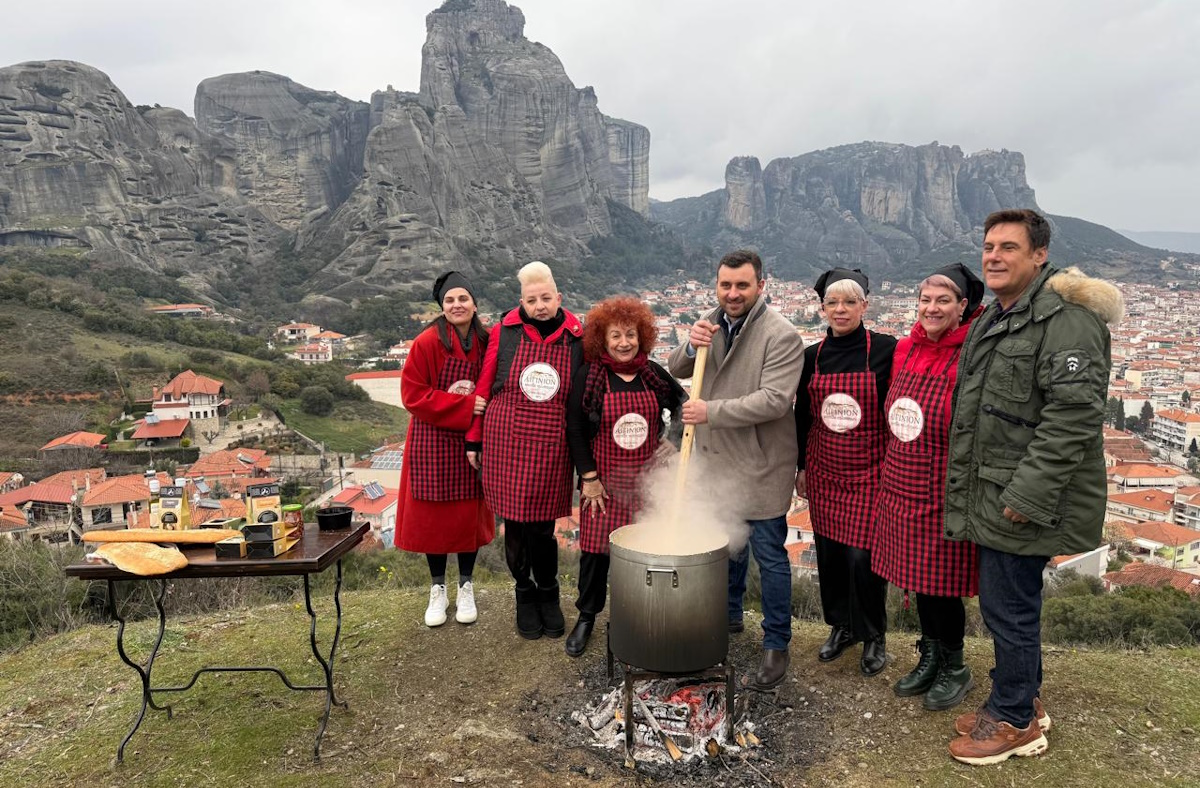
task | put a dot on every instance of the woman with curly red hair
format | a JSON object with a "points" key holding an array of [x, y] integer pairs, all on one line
{"points": [[614, 427]]}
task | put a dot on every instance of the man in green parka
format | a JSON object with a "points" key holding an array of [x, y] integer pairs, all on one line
{"points": [[1026, 477]]}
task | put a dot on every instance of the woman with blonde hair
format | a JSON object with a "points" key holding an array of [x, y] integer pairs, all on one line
{"points": [[521, 441]]}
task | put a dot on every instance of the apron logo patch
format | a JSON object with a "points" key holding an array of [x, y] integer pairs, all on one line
{"points": [[539, 382], [462, 387], [630, 431], [840, 412], [906, 420]]}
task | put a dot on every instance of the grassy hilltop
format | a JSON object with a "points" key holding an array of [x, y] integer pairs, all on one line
{"points": [[477, 705]]}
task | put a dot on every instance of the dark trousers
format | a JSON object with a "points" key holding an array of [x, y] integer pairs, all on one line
{"points": [[1010, 598], [943, 618], [852, 596], [531, 548], [437, 565], [593, 585]]}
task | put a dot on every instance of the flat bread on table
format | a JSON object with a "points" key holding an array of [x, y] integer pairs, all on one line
{"points": [[141, 558], [159, 536]]}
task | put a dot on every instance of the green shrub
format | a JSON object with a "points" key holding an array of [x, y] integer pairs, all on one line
{"points": [[316, 401], [1130, 617]]}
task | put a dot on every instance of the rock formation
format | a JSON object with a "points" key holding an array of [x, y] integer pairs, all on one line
{"points": [[886, 208], [498, 159]]}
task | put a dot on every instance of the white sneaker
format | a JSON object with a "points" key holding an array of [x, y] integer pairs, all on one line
{"points": [[466, 604], [435, 614]]}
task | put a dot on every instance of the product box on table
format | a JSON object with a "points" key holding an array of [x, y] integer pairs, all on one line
{"points": [[271, 549], [172, 512], [263, 504], [233, 547]]}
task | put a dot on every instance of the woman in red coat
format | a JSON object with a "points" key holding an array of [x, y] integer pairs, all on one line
{"points": [[910, 550], [614, 428], [441, 508]]}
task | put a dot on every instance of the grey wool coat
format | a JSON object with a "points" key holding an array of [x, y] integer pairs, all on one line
{"points": [[749, 442]]}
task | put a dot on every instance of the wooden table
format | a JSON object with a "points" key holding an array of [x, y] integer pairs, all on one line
{"points": [[315, 553]]}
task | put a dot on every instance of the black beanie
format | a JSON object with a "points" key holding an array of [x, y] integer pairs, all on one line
{"points": [[838, 274], [447, 282], [970, 285]]}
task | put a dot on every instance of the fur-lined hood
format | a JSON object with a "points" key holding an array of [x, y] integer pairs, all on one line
{"points": [[1099, 296]]}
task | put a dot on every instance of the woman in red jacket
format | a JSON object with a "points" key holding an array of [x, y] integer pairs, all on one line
{"points": [[910, 550], [522, 441], [441, 508]]}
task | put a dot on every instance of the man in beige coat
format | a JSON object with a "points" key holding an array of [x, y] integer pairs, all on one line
{"points": [[746, 432]]}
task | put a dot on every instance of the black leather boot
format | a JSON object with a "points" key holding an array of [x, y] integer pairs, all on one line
{"points": [[838, 641], [578, 639], [953, 682], [874, 656], [553, 623], [773, 670], [529, 623], [920, 679]]}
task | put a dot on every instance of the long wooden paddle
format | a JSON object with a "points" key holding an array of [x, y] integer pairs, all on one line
{"points": [[689, 433]]}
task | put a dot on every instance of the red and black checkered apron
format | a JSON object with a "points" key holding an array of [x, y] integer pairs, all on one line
{"points": [[842, 466], [437, 459], [619, 468], [526, 468], [909, 549]]}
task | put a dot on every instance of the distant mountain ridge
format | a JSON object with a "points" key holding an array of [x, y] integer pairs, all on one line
{"points": [[890, 209], [1187, 243]]}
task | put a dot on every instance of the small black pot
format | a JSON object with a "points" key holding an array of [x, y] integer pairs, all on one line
{"points": [[334, 518]]}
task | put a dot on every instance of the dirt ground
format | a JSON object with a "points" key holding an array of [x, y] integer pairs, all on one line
{"points": [[477, 705]]}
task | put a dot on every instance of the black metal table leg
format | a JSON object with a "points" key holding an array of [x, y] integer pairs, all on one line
{"points": [[326, 664], [145, 669]]}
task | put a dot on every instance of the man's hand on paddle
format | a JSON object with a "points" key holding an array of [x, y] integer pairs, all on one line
{"points": [[695, 411], [701, 334]]}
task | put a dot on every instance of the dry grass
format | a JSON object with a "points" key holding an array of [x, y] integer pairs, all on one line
{"points": [[478, 705]]}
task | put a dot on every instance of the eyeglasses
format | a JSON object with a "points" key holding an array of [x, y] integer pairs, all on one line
{"points": [[834, 303]]}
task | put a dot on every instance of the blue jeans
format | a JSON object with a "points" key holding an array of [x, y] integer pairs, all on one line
{"points": [[766, 540], [1010, 599]]}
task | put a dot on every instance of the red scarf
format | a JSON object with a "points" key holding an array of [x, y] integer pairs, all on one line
{"points": [[593, 389]]}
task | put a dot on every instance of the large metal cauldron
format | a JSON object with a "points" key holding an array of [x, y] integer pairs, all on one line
{"points": [[669, 597]]}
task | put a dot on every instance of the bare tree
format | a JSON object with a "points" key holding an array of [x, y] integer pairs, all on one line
{"points": [[210, 435]]}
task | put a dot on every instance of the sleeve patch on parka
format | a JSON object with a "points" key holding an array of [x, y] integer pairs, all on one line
{"points": [[1071, 373]]}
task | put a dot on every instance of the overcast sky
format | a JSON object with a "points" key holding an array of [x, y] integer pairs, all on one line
{"points": [[1102, 96]]}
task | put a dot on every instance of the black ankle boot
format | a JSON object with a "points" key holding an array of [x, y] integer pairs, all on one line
{"points": [[553, 623], [578, 639], [529, 622], [920, 679], [952, 683]]}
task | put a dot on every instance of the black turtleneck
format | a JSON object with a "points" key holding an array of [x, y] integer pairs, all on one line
{"points": [[543, 327], [842, 354]]}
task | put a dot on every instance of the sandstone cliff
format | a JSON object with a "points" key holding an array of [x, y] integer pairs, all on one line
{"points": [[887, 208], [81, 167]]}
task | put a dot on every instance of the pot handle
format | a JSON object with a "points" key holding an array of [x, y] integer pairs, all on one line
{"points": [[664, 570]]}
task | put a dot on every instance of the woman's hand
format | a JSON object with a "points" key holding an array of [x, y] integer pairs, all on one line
{"points": [[593, 494], [480, 405], [801, 487], [473, 459]]}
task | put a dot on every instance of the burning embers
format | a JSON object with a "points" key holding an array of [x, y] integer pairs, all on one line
{"points": [[673, 719]]}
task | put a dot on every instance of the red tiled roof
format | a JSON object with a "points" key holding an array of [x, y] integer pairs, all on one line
{"points": [[77, 440], [297, 326], [1139, 573], [230, 507], [354, 497], [188, 382], [168, 428], [1164, 533], [377, 375], [225, 463], [1175, 414], [122, 489], [12, 518], [42, 492], [1155, 500], [329, 335], [77, 478], [5, 476], [1143, 470]]}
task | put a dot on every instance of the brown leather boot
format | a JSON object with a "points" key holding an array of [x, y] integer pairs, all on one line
{"points": [[773, 670], [965, 723], [993, 741]]}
